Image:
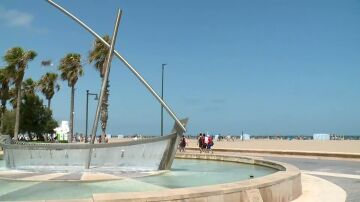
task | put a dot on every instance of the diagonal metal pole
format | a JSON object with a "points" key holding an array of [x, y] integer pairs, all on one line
{"points": [[106, 76], [127, 64], [103, 86]]}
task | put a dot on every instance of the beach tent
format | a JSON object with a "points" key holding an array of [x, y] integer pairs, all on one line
{"points": [[245, 137], [321, 136]]}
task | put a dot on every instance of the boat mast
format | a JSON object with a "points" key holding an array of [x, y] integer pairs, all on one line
{"points": [[106, 77], [103, 87]]}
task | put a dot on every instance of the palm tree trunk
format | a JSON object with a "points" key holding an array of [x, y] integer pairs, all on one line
{"points": [[17, 115], [72, 113], [104, 112], [2, 119], [49, 102]]}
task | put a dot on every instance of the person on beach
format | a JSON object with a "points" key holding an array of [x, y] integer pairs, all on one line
{"points": [[200, 142], [182, 144], [210, 144], [204, 142]]}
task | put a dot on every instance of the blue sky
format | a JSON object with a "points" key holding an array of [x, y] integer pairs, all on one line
{"points": [[262, 66]]}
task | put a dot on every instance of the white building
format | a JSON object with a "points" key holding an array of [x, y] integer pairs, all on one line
{"points": [[62, 132]]}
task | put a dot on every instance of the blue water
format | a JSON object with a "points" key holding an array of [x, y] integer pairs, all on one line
{"points": [[184, 173], [189, 173]]}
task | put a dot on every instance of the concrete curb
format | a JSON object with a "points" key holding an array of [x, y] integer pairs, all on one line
{"points": [[286, 152]]}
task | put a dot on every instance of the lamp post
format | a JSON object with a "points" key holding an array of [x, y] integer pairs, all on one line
{"points": [[87, 109], [162, 98]]}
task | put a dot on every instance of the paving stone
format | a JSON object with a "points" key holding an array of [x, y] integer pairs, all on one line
{"points": [[71, 176]]}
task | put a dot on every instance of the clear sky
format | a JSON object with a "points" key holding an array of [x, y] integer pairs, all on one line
{"points": [[260, 66]]}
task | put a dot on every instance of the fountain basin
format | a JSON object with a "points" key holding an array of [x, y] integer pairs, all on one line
{"points": [[226, 181]]}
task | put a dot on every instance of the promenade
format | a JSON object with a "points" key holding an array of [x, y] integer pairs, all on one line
{"points": [[343, 172]]}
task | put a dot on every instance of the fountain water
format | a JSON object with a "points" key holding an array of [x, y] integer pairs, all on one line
{"points": [[25, 185]]}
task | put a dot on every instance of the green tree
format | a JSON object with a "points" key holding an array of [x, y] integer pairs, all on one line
{"points": [[17, 59], [4, 94], [9, 122], [97, 56], [71, 69], [29, 87], [36, 119], [48, 85]]}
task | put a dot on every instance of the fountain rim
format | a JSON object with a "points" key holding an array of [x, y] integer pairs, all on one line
{"points": [[287, 176], [285, 183]]}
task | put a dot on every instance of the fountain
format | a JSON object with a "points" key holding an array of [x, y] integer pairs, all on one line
{"points": [[139, 170], [192, 177]]}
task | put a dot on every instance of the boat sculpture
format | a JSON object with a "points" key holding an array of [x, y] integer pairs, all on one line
{"points": [[137, 155], [140, 155]]}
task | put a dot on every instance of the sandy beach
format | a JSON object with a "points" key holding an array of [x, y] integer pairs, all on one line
{"points": [[341, 146]]}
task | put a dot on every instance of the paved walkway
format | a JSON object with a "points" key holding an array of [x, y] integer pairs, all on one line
{"points": [[313, 189], [342, 172]]}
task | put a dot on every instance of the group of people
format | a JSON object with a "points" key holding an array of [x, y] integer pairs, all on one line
{"points": [[205, 143], [99, 139], [182, 144]]}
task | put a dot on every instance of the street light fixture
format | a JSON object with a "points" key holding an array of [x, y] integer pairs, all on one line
{"points": [[87, 109], [162, 98]]}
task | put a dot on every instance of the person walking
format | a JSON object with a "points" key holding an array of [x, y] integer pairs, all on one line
{"points": [[210, 144], [183, 144], [200, 142]]}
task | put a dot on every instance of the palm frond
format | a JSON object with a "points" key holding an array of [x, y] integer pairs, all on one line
{"points": [[71, 68]]}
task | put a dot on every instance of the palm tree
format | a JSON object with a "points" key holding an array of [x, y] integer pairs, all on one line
{"points": [[4, 94], [29, 87], [17, 59], [71, 69], [12, 94], [48, 85], [97, 55]]}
